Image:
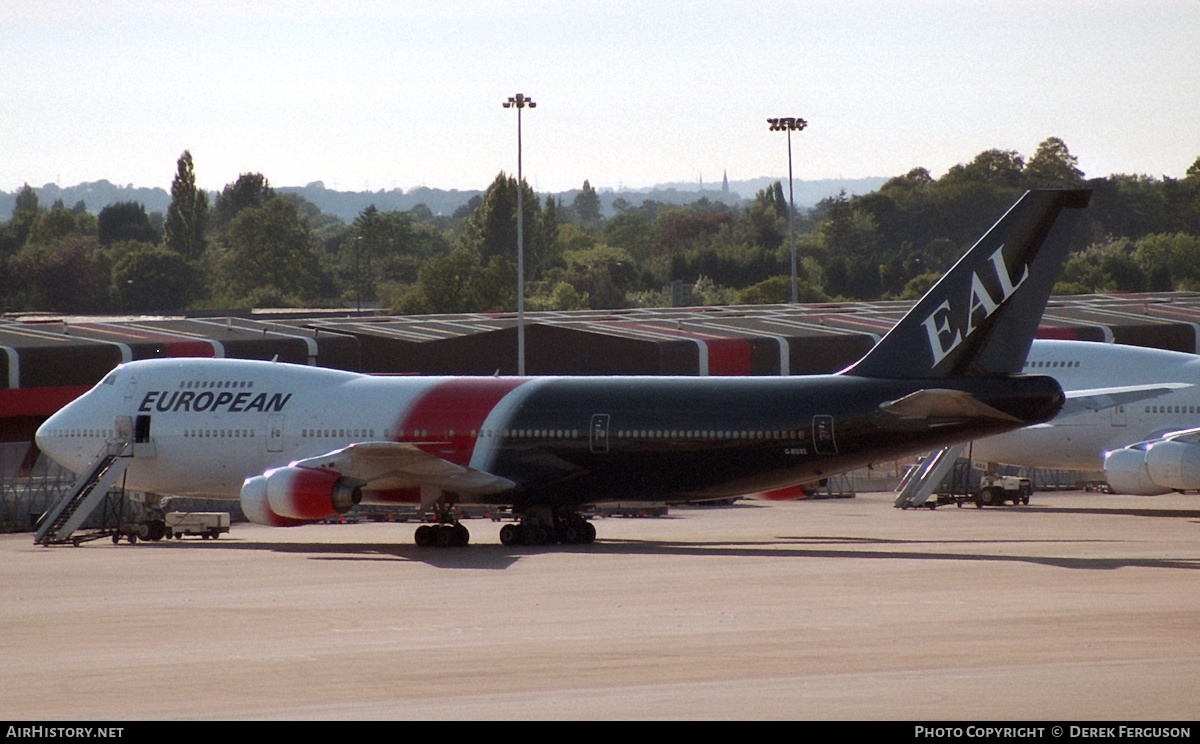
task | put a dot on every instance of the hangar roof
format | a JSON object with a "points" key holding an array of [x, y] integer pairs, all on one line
{"points": [[56, 351]]}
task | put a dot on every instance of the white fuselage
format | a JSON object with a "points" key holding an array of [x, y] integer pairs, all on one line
{"points": [[1080, 441], [213, 425]]}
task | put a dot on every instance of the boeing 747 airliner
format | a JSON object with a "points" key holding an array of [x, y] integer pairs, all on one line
{"points": [[1141, 425], [297, 444]]}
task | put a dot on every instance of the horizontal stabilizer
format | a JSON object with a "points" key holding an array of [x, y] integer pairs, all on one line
{"points": [[938, 404]]}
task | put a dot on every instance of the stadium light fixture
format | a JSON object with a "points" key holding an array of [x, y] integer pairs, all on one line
{"points": [[790, 124], [519, 102]]}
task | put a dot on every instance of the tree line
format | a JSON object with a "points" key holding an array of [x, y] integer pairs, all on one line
{"points": [[253, 247]]}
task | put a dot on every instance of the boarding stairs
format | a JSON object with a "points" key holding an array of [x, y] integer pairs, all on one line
{"points": [[919, 484], [66, 516]]}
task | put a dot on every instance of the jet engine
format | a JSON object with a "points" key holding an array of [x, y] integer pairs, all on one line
{"points": [[1152, 468], [1125, 471], [1174, 464], [289, 496]]}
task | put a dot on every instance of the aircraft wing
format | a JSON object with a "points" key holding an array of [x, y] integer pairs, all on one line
{"points": [[1097, 399], [937, 403], [1184, 436], [383, 465]]}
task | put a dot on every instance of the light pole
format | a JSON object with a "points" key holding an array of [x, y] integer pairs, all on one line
{"points": [[790, 124], [357, 283], [519, 102]]}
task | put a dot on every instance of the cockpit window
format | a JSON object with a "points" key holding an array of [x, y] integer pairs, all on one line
{"points": [[110, 378]]}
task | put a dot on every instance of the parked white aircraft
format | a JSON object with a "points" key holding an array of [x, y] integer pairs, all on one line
{"points": [[1132, 412]]}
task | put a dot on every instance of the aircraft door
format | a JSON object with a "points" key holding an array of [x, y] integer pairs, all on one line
{"points": [[1118, 415], [141, 429], [275, 432], [824, 442], [124, 428], [599, 433]]}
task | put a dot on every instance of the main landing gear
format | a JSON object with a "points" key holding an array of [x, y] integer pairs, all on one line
{"points": [[537, 526], [543, 527], [447, 533], [452, 535]]}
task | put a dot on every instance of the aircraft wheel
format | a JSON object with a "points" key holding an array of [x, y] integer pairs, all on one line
{"points": [[462, 536], [536, 535], [155, 529], [425, 536], [510, 534]]}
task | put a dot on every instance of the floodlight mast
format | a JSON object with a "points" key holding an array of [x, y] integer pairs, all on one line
{"points": [[519, 102], [790, 124]]}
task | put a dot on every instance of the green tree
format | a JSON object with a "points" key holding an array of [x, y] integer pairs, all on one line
{"points": [[13, 235], [271, 248], [552, 248], [566, 297], [462, 282], [1004, 168], [767, 217], [147, 278], [586, 206], [1170, 261], [187, 215], [778, 290], [1053, 166], [631, 231], [383, 251], [491, 229], [604, 274], [250, 190], [27, 201], [125, 221], [63, 276], [57, 223], [1193, 170]]}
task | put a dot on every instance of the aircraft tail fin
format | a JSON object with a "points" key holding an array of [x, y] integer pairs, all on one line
{"points": [[981, 316]]}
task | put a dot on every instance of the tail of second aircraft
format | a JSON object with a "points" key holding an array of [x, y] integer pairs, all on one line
{"points": [[980, 318]]}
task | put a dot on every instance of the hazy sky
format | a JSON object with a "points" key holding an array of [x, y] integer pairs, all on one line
{"points": [[402, 93]]}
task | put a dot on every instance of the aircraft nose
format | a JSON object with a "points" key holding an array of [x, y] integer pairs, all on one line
{"points": [[62, 436], [49, 434]]}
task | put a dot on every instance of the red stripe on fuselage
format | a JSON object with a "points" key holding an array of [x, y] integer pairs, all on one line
{"points": [[449, 415]]}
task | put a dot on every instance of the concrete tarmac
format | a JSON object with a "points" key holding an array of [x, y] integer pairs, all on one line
{"points": [[1078, 606]]}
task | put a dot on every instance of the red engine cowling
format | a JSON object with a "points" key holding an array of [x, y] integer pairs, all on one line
{"points": [[290, 496]]}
